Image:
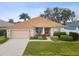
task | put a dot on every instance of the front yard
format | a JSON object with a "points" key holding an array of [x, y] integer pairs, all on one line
{"points": [[52, 49]]}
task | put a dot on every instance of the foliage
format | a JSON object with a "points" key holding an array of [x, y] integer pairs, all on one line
{"points": [[66, 38], [38, 37], [11, 21], [34, 37], [24, 16], [74, 35], [59, 14], [2, 32], [59, 33], [54, 37], [44, 36]]}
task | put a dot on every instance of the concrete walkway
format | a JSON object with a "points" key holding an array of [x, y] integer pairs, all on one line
{"points": [[13, 47], [48, 38]]}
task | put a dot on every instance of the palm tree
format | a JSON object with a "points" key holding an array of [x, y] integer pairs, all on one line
{"points": [[24, 16]]}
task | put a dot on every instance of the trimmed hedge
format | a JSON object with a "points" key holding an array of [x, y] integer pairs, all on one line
{"points": [[59, 34], [39, 37], [54, 37], [74, 35], [66, 38]]}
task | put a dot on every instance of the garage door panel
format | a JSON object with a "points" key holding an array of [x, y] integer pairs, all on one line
{"points": [[20, 34]]}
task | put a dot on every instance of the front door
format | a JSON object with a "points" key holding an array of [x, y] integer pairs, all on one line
{"points": [[47, 31]]}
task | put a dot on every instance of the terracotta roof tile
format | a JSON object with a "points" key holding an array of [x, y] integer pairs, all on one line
{"points": [[4, 24], [37, 22]]}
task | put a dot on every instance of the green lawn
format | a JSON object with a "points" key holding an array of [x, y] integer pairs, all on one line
{"points": [[2, 39], [52, 48]]}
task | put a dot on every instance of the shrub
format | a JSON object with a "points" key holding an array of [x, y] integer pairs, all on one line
{"points": [[34, 37], [31, 37], [44, 36], [54, 37], [2, 39], [59, 34], [2, 32], [66, 38], [40, 37], [74, 35], [63, 33]]}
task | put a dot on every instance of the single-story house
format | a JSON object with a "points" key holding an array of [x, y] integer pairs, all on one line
{"points": [[30, 28]]}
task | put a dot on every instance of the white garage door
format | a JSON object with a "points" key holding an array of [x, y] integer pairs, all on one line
{"points": [[20, 34]]}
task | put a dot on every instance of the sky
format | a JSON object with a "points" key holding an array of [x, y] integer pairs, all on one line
{"points": [[12, 10]]}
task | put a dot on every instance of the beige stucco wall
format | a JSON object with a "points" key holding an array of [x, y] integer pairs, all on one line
{"points": [[51, 32], [8, 33], [32, 32]]}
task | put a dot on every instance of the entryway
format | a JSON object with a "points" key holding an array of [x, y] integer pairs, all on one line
{"points": [[47, 31]]}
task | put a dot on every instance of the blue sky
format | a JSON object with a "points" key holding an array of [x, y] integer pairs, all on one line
{"points": [[12, 10]]}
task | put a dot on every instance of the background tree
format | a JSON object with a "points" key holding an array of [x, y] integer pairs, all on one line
{"points": [[11, 21], [24, 16], [59, 14]]}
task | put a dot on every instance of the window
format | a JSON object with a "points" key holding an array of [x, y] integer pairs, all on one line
{"points": [[39, 30]]}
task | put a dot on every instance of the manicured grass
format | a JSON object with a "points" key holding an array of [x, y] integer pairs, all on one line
{"points": [[52, 48], [2, 39]]}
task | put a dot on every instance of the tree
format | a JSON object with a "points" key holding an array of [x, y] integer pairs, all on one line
{"points": [[73, 15], [11, 21], [42, 15], [24, 16], [59, 14]]}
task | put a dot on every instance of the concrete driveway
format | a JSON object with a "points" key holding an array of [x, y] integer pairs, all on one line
{"points": [[13, 47]]}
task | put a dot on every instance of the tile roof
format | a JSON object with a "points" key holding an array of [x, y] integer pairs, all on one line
{"points": [[4, 24], [37, 22]]}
